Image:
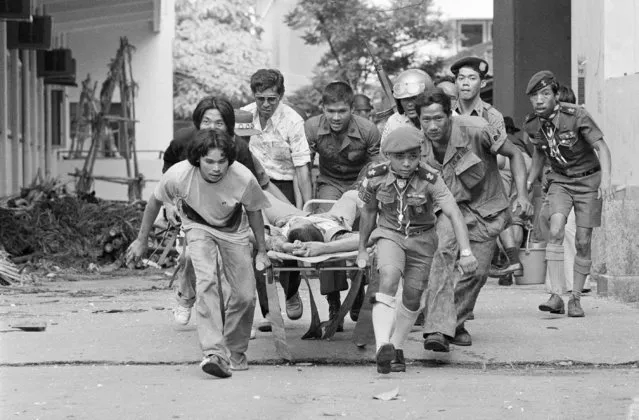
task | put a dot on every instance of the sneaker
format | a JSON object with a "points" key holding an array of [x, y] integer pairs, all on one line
{"points": [[294, 307], [398, 364], [181, 314], [239, 361], [216, 366]]}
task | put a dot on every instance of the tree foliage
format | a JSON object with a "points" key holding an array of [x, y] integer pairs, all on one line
{"points": [[392, 34], [217, 48]]}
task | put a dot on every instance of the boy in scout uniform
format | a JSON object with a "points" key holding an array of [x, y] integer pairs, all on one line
{"points": [[580, 162], [403, 192]]}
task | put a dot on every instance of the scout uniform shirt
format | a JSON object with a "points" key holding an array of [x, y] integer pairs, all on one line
{"points": [[471, 172], [566, 139], [405, 205], [342, 158]]}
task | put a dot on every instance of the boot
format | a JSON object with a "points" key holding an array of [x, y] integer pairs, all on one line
{"points": [[334, 305], [574, 308], [554, 305]]}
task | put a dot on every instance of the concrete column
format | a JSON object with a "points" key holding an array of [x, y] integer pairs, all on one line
{"points": [[528, 36], [27, 146], [33, 121], [5, 145], [15, 91], [42, 130]]}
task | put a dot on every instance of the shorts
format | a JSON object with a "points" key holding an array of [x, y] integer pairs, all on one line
{"points": [[581, 193], [412, 256]]}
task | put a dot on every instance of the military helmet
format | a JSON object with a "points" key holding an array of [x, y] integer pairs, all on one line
{"points": [[411, 83]]}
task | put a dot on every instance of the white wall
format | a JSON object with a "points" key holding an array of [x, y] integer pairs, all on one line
{"points": [[152, 70]]}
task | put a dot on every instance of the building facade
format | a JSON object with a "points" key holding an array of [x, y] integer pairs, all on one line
{"points": [[35, 119]]}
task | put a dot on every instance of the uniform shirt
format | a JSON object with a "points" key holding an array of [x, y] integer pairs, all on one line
{"points": [[281, 145], [217, 203], [341, 158], [177, 152], [405, 208], [470, 168], [574, 135], [487, 112]]}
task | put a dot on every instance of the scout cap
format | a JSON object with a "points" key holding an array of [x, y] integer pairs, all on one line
{"points": [[539, 81], [403, 139], [478, 64], [244, 123], [361, 102]]}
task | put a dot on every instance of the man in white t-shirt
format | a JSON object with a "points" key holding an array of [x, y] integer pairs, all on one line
{"points": [[218, 199]]}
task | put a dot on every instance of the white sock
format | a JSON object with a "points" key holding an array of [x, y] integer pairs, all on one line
{"points": [[383, 320], [404, 320]]}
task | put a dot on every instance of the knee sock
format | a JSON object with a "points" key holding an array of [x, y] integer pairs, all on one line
{"points": [[404, 320], [581, 271], [513, 255], [383, 314], [555, 268]]}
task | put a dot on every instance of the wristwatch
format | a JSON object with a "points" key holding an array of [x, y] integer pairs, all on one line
{"points": [[466, 252]]}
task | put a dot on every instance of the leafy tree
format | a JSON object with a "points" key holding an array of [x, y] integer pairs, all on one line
{"points": [[217, 48], [392, 34]]}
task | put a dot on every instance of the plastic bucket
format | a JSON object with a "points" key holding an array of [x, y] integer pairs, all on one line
{"points": [[533, 258]]}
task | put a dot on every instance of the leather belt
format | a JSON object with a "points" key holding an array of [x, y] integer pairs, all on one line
{"points": [[580, 174]]}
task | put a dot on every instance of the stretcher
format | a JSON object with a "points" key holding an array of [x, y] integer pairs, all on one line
{"points": [[363, 333], [318, 330]]}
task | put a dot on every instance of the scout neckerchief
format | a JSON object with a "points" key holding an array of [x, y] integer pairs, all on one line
{"points": [[401, 185], [548, 128]]}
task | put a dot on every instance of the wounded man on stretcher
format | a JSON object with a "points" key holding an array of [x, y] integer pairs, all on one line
{"points": [[304, 234]]}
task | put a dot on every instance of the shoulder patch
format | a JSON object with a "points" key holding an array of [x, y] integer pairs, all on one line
{"points": [[425, 173], [568, 108], [377, 170]]}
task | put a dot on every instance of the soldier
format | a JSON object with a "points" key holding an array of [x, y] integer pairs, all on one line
{"points": [[362, 106], [403, 192], [470, 77], [408, 85], [345, 144], [580, 162], [464, 149]]}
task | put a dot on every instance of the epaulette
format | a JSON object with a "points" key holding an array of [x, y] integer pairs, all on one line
{"points": [[568, 108], [377, 170], [426, 172]]}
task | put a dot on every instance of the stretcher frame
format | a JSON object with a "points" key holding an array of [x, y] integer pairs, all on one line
{"points": [[363, 333]]}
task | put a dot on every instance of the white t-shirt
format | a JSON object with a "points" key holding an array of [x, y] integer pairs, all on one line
{"points": [[217, 203]]}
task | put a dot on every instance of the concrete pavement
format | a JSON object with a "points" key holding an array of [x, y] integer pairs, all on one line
{"points": [[126, 319]]}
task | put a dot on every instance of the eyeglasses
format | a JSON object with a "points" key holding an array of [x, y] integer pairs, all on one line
{"points": [[271, 99], [408, 89]]}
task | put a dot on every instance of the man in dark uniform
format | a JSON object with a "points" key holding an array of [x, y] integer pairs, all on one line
{"points": [[470, 77], [404, 193], [464, 149], [362, 106], [580, 162], [345, 144]]}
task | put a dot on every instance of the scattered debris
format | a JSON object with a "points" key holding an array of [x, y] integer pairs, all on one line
{"points": [[117, 311], [34, 326], [388, 395]]}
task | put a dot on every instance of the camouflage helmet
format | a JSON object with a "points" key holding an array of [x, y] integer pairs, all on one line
{"points": [[411, 83]]}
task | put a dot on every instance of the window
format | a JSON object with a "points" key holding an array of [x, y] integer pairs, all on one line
{"points": [[471, 34], [57, 97]]}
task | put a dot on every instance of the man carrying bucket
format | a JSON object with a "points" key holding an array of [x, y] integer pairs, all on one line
{"points": [[580, 162]]}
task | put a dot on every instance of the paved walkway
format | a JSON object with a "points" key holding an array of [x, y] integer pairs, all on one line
{"points": [[124, 320]]}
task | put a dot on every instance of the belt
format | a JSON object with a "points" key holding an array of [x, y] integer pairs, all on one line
{"points": [[580, 174]]}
